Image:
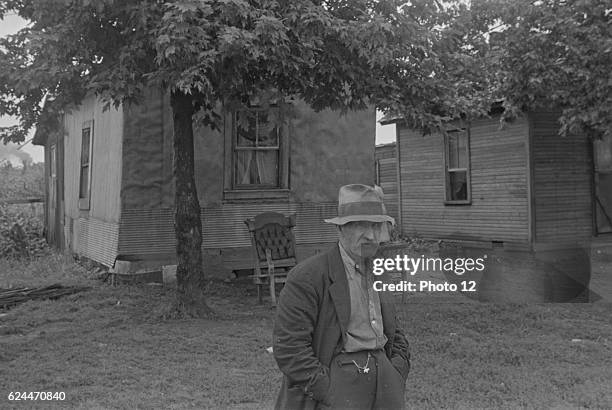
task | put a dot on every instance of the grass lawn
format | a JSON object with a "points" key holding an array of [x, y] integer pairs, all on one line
{"points": [[110, 348]]}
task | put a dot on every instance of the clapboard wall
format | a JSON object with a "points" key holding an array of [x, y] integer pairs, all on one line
{"points": [[325, 151], [385, 167], [499, 210], [562, 183], [93, 232]]}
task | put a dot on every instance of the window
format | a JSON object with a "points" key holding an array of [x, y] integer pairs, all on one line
{"points": [[457, 167], [258, 160], [85, 168], [257, 149]]}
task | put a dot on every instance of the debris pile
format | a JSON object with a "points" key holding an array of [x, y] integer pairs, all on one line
{"points": [[11, 297]]}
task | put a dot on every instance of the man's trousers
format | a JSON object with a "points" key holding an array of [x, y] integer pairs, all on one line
{"points": [[357, 382]]}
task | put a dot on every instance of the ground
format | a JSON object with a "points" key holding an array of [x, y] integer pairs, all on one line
{"points": [[111, 347]]}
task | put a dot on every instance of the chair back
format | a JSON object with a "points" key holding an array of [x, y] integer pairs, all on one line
{"points": [[273, 231]]}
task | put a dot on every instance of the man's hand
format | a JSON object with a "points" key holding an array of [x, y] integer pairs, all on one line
{"points": [[318, 390]]}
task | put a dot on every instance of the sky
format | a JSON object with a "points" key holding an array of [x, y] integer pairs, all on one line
{"points": [[13, 23], [384, 133], [10, 25]]}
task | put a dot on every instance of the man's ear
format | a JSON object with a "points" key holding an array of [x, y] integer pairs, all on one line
{"points": [[385, 235]]}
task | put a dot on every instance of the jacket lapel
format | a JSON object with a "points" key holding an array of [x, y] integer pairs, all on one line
{"points": [[338, 289]]}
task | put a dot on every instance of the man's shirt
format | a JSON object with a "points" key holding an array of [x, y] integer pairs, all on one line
{"points": [[365, 327]]}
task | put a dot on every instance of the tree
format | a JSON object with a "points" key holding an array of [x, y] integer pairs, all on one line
{"points": [[331, 53], [550, 53]]}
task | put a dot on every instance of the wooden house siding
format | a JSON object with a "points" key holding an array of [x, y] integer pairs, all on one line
{"points": [[73, 122], [499, 188], [54, 189], [383, 151], [93, 232], [149, 234], [386, 177], [157, 225], [387, 169], [105, 162], [326, 151], [562, 183], [96, 239], [147, 178], [329, 150]]}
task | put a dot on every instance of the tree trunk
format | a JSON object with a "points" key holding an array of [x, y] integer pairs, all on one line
{"points": [[187, 222]]}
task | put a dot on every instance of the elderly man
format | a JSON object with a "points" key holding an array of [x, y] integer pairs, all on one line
{"points": [[336, 340]]}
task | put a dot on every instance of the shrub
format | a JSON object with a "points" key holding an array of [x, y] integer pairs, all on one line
{"points": [[21, 232], [20, 183]]}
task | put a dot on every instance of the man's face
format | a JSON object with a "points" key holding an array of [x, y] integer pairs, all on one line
{"points": [[361, 239]]}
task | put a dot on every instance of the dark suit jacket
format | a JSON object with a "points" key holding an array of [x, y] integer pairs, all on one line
{"points": [[310, 329]]}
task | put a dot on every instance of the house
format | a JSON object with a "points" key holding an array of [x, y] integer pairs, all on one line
{"points": [[110, 188], [385, 171], [516, 188]]}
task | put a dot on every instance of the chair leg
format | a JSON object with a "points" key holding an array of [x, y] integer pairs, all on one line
{"points": [[271, 276], [272, 290], [259, 294]]}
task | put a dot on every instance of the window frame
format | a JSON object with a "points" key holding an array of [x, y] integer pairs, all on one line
{"points": [[234, 191], [448, 170], [84, 201]]}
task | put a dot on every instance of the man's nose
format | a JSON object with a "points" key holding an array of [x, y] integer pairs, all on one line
{"points": [[369, 234]]}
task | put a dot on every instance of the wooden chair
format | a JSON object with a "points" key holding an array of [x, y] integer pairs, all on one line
{"points": [[274, 250]]}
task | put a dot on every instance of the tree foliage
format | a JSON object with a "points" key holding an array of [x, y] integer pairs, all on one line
{"points": [[27, 181], [334, 54], [553, 54], [21, 230]]}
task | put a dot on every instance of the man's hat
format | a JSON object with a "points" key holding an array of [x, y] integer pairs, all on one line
{"points": [[357, 202]]}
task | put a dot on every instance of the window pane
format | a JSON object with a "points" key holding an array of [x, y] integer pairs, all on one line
{"points": [[457, 150], [246, 129], [453, 161], [268, 130], [462, 149], [84, 188], [457, 186], [85, 146], [267, 164], [257, 167]]}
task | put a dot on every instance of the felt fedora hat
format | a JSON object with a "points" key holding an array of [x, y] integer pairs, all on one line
{"points": [[357, 202]]}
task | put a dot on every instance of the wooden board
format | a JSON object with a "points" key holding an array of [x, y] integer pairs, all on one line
{"points": [[499, 206]]}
